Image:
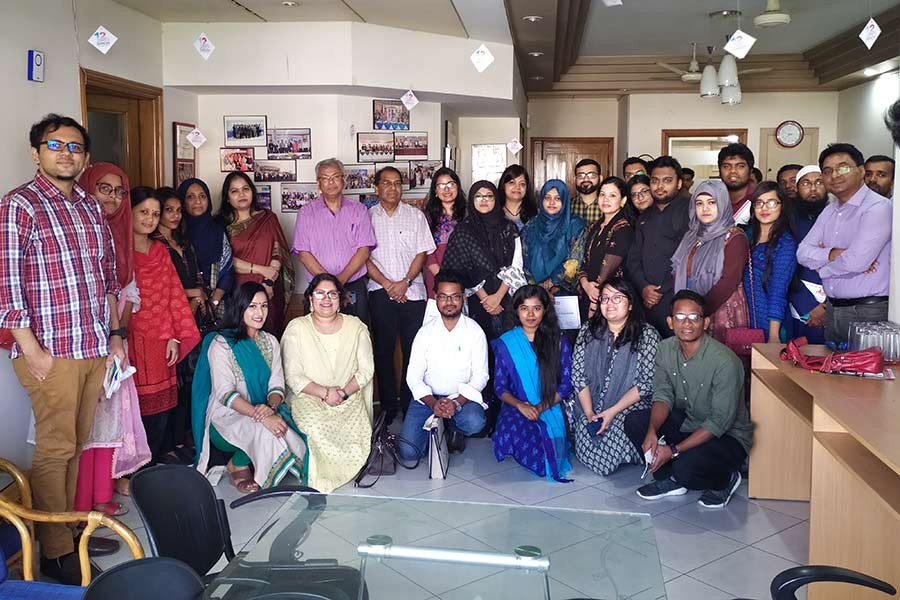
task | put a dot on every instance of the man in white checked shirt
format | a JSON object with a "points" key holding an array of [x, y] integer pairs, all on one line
{"points": [[396, 289]]}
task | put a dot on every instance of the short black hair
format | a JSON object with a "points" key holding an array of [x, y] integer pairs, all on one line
{"points": [[689, 295], [842, 148], [790, 167], [584, 162], [632, 160], [233, 325], [666, 161], [51, 123], [448, 276], [892, 121], [757, 173], [880, 158], [318, 279], [739, 150], [142, 192], [688, 171], [382, 170]]}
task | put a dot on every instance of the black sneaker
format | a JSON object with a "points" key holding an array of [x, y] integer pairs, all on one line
{"points": [[719, 498], [65, 569], [456, 441], [660, 489]]}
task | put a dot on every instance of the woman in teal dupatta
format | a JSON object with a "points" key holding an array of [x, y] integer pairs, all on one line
{"points": [[553, 242], [238, 398], [533, 372]]}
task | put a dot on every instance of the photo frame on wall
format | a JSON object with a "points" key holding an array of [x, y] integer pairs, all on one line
{"points": [[402, 166], [245, 130], [375, 147], [236, 159], [411, 145], [359, 179], [264, 195], [421, 173], [296, 195], [183, 152], [274, 170], [293, 144], [184, 170], [389, 115]]}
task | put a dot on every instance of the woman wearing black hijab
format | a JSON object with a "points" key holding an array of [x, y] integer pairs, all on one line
{"points": [[486, 251]]}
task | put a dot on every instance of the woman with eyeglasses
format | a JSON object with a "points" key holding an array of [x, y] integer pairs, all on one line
{"points": [[106, 457], [639, 196], [711, 257], [532, 373], [445, 207], [239, 405], [486, 251], [328, 367], [516, 196], [773, 260], [553, 242], [607, 245], [612, 373], [261, 252]]}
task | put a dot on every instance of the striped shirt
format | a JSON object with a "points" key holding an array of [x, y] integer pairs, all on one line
{"points": [[399, 239], [57, 264]]}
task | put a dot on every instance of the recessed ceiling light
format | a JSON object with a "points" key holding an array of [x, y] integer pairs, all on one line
{"points": [[724, 14], [535, 54], [533, 18], [290, 3], [870, 72], [537, 77]]}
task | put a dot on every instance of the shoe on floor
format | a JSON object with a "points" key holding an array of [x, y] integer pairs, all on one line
{"points": [[719, 498], [100, 546], [660, 489], [456, 441], [65, 569]]}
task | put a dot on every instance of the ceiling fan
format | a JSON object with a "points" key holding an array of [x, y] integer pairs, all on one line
{"points": [[694, 74]]}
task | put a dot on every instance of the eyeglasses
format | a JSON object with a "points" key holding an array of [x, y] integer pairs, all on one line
{"points": [[841, 169], [331, 178], [640, 194], [330, 294], [57, 146], [449, 297], [108, 190], [450, 185], [588, 175], [681, 317], [806, 183], [634, 174], [770, 204], [483, 197], [614, 300]]}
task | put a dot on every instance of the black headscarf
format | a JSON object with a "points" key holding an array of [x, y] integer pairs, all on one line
{"points": [[493, 231], [206, 234]]}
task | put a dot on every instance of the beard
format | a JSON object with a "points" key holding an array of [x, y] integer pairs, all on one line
{"points": [[452, 314], [736, 186], [668, 197], [812, 206], [587, 188]]}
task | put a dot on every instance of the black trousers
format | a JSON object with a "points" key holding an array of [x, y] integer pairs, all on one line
{"points": [[705, 467], [359, 300], [390, 319], [657, 315], [156, 426]]}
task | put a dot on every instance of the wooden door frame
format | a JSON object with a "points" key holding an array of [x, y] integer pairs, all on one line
{"points": [[580, 140], [763, 153], [151, 112], [668, 134]]}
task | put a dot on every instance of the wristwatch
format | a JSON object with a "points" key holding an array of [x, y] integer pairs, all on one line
{"points": [[268, 282], [457, 405], [344, 395], [674, 449], [121, 332]]}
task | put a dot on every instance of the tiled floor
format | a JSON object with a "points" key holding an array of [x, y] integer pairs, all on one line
{"points": [[706, 554]]}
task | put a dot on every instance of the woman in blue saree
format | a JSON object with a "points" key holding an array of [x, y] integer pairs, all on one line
{"points": [[533, 372], [238, 398]]}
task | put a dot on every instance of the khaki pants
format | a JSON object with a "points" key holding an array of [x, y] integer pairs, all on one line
{"points": [[64, 405]]}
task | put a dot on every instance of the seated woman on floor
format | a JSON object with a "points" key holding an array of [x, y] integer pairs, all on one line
{"points": [[328, 367], [612, 371], [238, 398], [533, 371]]}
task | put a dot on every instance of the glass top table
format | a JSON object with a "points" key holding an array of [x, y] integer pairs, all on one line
{"points": [[322, 546]]}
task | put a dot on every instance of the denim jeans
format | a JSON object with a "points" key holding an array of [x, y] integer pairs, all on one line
{"points": [[469, 420]]}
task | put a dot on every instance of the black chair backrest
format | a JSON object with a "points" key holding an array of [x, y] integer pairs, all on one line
{"points": [[146, 579], [183, 517], [786, 583]]}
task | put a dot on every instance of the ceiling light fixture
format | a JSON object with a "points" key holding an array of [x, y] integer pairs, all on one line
{"points": [[709, 84], [537, 77], [870, 72], [724, 14], [728, 73], [290, 4], [533, 18], [535, 54], [731, 96]]}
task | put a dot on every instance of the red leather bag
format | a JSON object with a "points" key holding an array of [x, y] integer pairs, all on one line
{"points": [[741, 339], [857, 362]]}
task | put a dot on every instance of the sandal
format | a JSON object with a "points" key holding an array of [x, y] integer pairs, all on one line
{"points": [[242, 479], [112, 509]]}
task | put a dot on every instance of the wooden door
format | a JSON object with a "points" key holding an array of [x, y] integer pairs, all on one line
{"points": [[555, 158], [114, 125], [772, 156]]}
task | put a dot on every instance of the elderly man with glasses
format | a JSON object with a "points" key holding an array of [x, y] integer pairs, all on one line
{"points": [[333, 234], [850, 245]]}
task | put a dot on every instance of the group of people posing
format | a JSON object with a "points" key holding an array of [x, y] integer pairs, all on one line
{"points": [[197, 303]]}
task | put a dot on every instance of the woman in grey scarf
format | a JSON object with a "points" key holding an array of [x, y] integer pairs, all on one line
{"points": [[711, 258]]}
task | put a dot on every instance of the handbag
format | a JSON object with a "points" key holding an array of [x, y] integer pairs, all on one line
{"points": [[438, 452], [383, 456], [855, 362], [741, 339]]}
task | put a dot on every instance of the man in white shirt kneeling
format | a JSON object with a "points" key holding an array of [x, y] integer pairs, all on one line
{"points": [[448, 369]]}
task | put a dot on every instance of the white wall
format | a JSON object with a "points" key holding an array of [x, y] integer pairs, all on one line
{"points": [[861, 114], [483, 130], [573, 117], [649, 114]]}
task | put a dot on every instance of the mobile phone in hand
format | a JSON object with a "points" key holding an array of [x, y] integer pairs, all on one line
{"points": [[594, 426]]}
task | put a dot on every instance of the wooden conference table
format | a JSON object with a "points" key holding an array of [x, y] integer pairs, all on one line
{"points": [[835, 441]]}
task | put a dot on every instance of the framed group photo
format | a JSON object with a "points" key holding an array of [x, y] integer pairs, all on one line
{"points": [[389, 115], [245, 130], [292, 144], [296, 195], [403, 167], [411, 145], [184, 153], [264, 195], [359, 179], [236, 159], [375, 147], [421, 172], [274, 170]]}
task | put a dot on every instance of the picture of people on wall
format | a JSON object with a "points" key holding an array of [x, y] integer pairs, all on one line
{"points": [[359, 179], [264, 195], [411, 145], [421, 172], [389, 115], [274, 170], [295, 195], [243, 130], [292, 144], [375, 147], [235, 159]]}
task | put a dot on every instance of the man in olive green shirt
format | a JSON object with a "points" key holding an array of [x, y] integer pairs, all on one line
{"points": [[698, 407]]}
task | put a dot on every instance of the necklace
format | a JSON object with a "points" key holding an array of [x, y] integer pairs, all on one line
{"points": [[511, 213]]}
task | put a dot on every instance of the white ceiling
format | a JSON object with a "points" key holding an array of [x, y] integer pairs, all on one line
{"points": [[481, 19], [666, 27]]}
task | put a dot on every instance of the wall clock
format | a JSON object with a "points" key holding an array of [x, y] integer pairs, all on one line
{"points": [[789, 134]]}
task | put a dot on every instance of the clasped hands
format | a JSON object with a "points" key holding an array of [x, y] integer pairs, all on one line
{"points": [[396, 291], [263, 413]]}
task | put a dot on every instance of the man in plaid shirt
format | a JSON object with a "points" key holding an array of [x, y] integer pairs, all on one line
{"points": [[57, 285]]}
